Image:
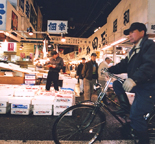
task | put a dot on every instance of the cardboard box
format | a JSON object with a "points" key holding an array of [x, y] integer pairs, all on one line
{"points": [[11, 80]]}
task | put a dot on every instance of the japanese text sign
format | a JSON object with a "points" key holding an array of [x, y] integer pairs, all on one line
{"points": [[3, 6], [57, 27]]}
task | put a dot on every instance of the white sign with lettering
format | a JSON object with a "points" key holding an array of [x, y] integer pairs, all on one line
{"points": [[57, 27]]}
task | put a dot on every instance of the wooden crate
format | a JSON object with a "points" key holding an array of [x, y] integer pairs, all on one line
{"points": [[11, 80]]}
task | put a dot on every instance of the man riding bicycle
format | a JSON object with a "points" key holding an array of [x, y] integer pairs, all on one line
{"points": [[139, 64]]}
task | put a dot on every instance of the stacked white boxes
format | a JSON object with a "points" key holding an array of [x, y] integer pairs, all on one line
{"points": [[4, 100], [69, 83], [43, 103], [21, 105], [62, 102]]}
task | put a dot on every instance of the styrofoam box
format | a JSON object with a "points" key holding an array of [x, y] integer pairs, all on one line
{"points": [[131, 97], [42, 106], [20, 106], [69, 83], [65, 99], [20, 100], [3, 104], [20, 111], [58, 111], [48, 100], [42, 112], [6, 92], [5, 110]]}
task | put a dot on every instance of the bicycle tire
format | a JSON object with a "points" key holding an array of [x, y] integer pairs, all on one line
{"points": [[72, 127], [151, 126]]}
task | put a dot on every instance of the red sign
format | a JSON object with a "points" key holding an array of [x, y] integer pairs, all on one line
{"points": [[10, 46]]}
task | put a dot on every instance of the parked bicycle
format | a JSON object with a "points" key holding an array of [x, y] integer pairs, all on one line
{"points": [[88, 119]]}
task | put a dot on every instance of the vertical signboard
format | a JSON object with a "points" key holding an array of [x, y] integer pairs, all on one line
{"points": [[21, 5], [33, 18], [57, 27], [3, 7], [10, 46], [14, 21], [27, 9]]}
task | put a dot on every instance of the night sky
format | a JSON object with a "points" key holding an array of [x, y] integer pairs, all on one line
{"points": [[83, 16]]}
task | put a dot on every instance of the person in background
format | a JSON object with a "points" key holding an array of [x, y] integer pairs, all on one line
{"points": [[102, 78], [39, 65], [64, 68], [55, 64], [139, 64], [90, 75], [79, 75]]}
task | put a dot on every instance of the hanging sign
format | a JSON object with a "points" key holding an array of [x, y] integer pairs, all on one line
{"points": [[57, 27], [10, 46], [3, 6], [14, 21]]}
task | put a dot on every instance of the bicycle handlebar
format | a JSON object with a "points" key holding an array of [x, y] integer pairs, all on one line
{"points": [[112, 75]]}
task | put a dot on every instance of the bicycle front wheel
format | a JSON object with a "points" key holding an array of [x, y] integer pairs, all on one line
{"points": [[83, 124]]}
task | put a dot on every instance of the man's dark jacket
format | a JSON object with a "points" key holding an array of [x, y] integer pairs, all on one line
{"points": [[87, 71], [141, 66], [79, 70]]}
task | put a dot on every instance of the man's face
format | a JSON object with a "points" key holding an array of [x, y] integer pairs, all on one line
{"points": [[135, 36], [93, 58], [55, 56], [83, 61], [108, 61]]}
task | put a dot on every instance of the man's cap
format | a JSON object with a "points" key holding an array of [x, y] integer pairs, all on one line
{"points": [[134, 26], [53, 53], [83, 58], [93, 54]]}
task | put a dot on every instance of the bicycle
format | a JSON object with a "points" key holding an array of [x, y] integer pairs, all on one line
{"points": [[88, 119]]}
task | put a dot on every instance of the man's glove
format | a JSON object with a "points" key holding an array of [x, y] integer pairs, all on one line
{"points": [[128, 84]]}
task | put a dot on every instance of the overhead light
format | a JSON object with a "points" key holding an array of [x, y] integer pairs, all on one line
{"points": [[30, 31], [21, 47], [63, 39], [49, 45], [5, 39], [106, 47], [114, 43], [119, 41], [96, 29]]}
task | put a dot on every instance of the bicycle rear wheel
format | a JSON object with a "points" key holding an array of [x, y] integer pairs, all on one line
{"points": [[151, 126], [83, 124]]}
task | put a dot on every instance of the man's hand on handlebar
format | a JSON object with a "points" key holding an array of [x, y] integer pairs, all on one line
{"points": [[128, 84]]}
